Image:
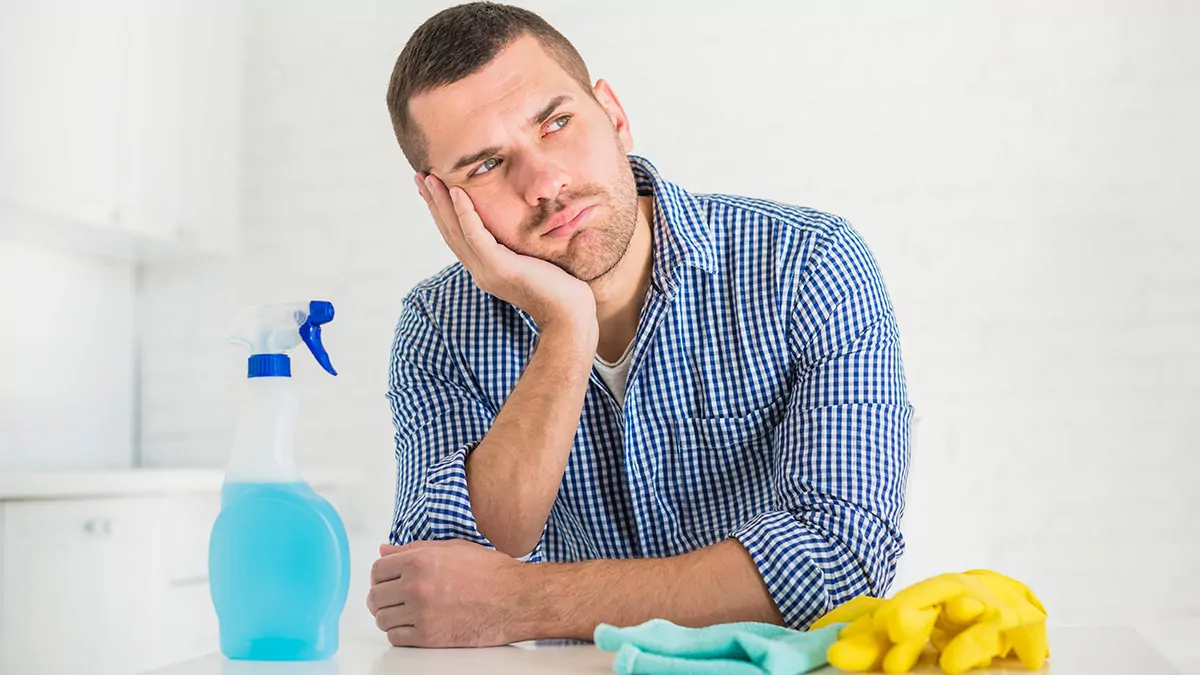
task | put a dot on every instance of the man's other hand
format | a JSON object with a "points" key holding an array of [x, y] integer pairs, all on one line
{"points": [[448, 594]]}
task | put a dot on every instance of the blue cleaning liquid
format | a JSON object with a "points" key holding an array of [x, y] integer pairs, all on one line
{"points": [[279, 572]]}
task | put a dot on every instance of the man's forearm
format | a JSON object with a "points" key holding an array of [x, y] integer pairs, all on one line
{"points": [[514, 473], [717, 584]]}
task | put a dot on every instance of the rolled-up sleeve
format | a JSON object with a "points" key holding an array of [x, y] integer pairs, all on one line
{"points": [[439, 420], [841, 454]]}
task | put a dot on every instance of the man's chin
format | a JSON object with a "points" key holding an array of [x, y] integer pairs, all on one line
{"points": [[595, 271], [599, 263], [584, 270]]}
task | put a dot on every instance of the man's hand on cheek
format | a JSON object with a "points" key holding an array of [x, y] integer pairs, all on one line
{"points": [[545, 291], [448, 594]]}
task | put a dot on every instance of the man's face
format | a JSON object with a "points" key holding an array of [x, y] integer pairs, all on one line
{"points": [[532, 148]]}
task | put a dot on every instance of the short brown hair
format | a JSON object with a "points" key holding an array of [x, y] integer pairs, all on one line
{"points": [[457, 42]]}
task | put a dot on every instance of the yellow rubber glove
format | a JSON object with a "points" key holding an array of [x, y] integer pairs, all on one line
{"points": [[968, 619], [848, 611]]}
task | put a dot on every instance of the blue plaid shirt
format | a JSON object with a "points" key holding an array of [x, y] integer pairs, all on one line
{"points": [[766, 402]]}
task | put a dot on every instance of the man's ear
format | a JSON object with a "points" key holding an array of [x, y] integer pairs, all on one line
{"points": [[616, 113]]}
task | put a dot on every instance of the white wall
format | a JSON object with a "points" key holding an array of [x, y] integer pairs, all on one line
{"points": [[67, 327], [1021, 170]]}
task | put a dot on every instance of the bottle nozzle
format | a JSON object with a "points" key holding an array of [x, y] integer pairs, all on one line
{"points": [[319, 312]]}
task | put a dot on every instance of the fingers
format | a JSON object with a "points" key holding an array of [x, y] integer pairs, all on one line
{"points": [[474, 233], [386, 568], [395, 571], [388, 549], [405, 636], [384, 595], [399, 622], [422, 181], [434, 192], [396, 616]]}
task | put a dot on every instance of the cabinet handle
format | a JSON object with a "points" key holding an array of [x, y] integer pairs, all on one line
{"points": [[94, 526]]}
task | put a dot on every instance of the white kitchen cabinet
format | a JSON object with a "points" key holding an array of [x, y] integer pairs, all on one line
{"points": [[60, 86], [106, 573], [81, 581], [181, 114], [120, 124]]}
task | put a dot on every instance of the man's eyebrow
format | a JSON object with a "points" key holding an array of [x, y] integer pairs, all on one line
{"points": [[549, 109], [537, 119], [475, 157]]}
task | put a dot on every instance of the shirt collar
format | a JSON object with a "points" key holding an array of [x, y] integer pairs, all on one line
{"points": [[681, 231]]}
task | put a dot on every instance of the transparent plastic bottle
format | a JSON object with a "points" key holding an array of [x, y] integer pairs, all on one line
{"points": [[279, 558]]}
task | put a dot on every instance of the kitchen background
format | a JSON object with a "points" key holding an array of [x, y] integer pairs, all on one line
{"points": [[1025, 173]]}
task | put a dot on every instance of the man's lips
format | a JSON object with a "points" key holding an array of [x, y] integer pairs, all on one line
{"points": [[566, 220]]}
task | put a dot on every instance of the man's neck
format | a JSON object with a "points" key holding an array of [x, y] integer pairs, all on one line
{"points": [[621, 293]]}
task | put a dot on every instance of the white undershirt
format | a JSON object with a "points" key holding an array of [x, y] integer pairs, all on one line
{"points": [[615, 374]]}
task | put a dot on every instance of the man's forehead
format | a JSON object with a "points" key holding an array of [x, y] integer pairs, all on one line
{"points": [[507, 92]]}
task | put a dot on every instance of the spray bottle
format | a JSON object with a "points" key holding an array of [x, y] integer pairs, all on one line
{"points": [[279, 558]]}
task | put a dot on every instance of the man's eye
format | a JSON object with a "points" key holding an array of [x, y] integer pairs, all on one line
{"points": [[487, 165], [559, 122]]}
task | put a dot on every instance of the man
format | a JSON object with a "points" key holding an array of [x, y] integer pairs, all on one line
{"points": [[681, 406]]}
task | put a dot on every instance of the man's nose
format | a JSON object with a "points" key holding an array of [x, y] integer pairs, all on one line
{"points": [[543, 179]]}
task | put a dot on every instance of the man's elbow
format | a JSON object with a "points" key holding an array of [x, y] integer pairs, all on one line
{"points": [[513, 545]]}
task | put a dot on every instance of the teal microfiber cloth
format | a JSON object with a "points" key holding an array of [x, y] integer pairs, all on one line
{"points": [[659, 647]]}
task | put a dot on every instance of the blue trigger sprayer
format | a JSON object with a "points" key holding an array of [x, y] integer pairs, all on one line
{"points": [[279, 558]]}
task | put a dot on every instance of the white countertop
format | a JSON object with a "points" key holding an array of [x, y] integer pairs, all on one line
{"points": [[1075, 651], [23, 485]]}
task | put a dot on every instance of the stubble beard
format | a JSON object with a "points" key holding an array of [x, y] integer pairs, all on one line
{"points": [[596, 250]]}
